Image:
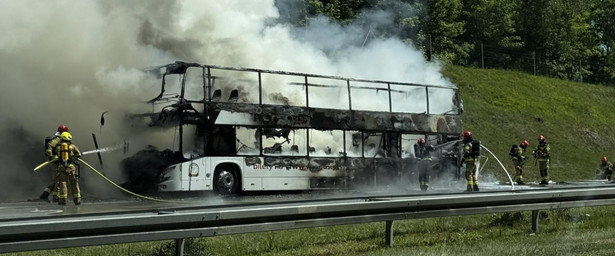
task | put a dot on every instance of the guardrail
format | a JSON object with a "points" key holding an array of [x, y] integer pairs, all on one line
{"points": [[179, 223]]}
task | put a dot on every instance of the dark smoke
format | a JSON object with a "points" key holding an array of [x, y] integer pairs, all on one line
{"points": [[28, 150], [143, 169]]}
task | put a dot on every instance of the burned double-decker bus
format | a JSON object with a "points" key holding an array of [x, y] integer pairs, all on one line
{"points": [[240, 129]]}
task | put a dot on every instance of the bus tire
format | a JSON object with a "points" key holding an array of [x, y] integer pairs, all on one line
{"points": [[226, 180]]}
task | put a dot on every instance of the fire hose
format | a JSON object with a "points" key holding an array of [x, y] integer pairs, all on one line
{"points": [[108, 180], [512, 184]]}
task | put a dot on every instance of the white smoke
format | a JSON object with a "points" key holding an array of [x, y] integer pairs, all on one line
{"points": [[67, 61]]}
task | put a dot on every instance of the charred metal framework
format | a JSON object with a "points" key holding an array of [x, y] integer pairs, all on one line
{"points": [[218, 138]]}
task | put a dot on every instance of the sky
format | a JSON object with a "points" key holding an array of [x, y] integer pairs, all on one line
{"points": [[68, 61]]}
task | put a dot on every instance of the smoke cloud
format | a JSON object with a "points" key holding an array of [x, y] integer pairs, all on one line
{"points": [[66, 62]]}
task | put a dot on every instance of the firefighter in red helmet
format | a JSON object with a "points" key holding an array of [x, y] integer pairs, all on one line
{"points": [[517, 155], [422, 152], [606, 169], [469, 158], [50, 144], [543, 157]]}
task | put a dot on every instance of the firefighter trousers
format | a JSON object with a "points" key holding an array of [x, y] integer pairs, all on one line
{"points": [[52, 188], [543, 166], [424, 166], [67, 176], [471, 176], [519, 171]]}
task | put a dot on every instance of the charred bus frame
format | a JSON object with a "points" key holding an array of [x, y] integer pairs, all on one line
{"points": [[264, 117]]}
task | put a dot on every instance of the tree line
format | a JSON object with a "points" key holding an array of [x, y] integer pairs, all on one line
{"points": [[568, 39]]}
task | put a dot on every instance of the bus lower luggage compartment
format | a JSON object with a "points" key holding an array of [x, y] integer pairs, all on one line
{"points": [[328, 182]]}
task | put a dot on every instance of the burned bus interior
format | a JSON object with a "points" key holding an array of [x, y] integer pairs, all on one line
{"points": [[366, 129]]}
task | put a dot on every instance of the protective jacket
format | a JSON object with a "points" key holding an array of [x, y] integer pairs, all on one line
{"points": [[467, 151], [542, 151], [423, 151], [606, 170], [519, 155]]}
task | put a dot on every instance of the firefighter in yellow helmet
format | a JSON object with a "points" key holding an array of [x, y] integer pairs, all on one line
{"points": [[50, 146], [469, 158], [541, 153], [517, 155], [67, 171]]}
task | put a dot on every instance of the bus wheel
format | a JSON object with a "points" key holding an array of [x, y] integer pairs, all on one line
{"points": [[226, 181]]}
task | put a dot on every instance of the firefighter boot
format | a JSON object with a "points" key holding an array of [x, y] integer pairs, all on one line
{"points": [[544, 182], [77, 200], [475, 187], [424, 187], [62, 201], [469, 188], [44, 196]]}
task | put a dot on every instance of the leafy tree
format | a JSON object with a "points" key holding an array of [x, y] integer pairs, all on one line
{"points": [[492, 25], [343, 11], [444, 25], [604, 20], [298, 12], [559, 32]]}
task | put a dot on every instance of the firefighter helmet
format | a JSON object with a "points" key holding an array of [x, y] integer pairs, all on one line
{"points": [[62, 128], [421, 141], [467, 134], [604, 159], [66, 136], [525, 143], [541, 138]]}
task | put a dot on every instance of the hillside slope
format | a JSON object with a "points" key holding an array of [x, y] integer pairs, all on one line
{"points": [[502, 108]]}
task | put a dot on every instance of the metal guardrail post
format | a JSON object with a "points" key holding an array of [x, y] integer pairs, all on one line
{"points": [[389, 233], [179, 246], [535, 221]]}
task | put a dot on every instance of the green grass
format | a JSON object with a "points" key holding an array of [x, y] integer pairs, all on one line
{"points": [[504, 107], [501, 108]]}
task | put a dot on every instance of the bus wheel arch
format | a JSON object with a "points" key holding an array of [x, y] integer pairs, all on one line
{"points": [[227, 180]]}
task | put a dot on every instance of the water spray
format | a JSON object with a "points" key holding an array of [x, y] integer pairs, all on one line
{"points": [[103, 150]]}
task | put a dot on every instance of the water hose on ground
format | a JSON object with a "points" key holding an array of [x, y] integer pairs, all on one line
{"points": [[121, 188], [503, 168], [107, 179]]}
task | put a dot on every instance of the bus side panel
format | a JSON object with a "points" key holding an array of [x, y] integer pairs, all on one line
{"points": [[196, 175], [252, 184], [172, 179], [259, 176], [252, 173], [286, 183], [187, 176]]}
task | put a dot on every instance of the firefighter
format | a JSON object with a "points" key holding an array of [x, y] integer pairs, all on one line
{"points": [[541, 153], [469, 158], [66, 152], [606, 169], [517, 155], [423, 153], [50, 146]]}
